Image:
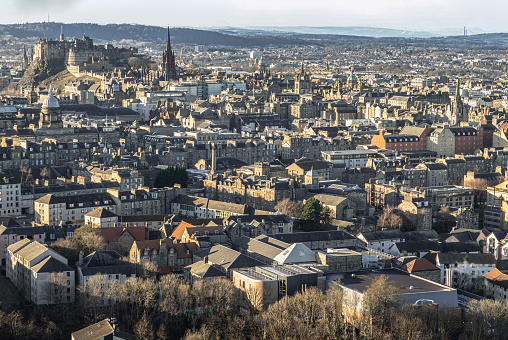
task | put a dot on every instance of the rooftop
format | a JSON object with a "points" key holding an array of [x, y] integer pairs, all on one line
{"points": [[361, 280]]}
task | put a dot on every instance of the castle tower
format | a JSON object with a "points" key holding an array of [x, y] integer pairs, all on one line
{"points": [[51, 115], [168, 62]]}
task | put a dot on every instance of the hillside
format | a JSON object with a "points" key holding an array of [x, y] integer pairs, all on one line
{"points": [[155, 36], [143, 33]]}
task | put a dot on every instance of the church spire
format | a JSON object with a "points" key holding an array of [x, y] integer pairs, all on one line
{"points": [[168, 61], [168, 42]]}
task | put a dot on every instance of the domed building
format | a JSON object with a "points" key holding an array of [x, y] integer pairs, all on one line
{"points": [[352, 81], [263, 69], [51, 115]]}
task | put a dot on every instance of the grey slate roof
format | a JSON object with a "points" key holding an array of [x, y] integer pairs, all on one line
{"points": [[105, 262], [51, 265], [383, 235], [328, 235], [204, 270], [256, 246], [100, 213], [228, 258]]}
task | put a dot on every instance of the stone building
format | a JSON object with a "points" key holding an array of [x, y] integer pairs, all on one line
{"points": [[417, 211], [164, 253]]}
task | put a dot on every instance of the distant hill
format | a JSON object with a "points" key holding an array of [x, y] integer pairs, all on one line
{"points": [[143, 33]]}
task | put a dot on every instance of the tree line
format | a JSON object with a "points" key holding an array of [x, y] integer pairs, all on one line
{"points": [[171, 308], [170, 176]]}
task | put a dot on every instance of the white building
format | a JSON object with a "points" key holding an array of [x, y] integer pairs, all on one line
{"points": [[351, 158], [40, 272], [256, 54], [97, 270], [383, 240], [460, 269], [53, 210]]}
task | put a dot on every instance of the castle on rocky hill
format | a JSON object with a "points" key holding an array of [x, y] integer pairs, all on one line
{"points": [[81, 55]]}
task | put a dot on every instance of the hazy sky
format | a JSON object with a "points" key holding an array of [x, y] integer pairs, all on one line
{"points": [[425, 15]]}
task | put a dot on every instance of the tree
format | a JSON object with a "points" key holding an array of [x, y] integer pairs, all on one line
{"points": [[143, 330], [488, 319], [311, 211], [170, 176], [289, 207], [45, 172], [56, 285], [380, 298], [445, 220], [389, 220], [480, 186]]}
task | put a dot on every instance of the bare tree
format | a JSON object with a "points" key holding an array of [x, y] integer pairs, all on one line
{"points": [[45, 172], [379, 299], [289, 207], [93, 295], [255, 299], [488, 319], [55, 289], [143, 330], [389, 219]]}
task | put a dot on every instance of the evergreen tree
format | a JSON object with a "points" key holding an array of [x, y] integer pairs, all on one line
{"points": [[311, 210], [170, 176]]}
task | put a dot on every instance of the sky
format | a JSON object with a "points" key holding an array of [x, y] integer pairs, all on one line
{"points": [[422, 15]]}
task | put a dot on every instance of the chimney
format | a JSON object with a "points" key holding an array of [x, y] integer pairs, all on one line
{"points": [[205, 259], [147, 232], [80, 261]]}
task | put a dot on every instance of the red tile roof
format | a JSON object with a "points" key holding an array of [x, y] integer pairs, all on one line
{"points": [[497, 277], [178, 232], [112, 234], [419, 265]]}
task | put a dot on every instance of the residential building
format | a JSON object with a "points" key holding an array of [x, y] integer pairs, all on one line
{"points": [[165, 253], [99, 270], [40, 272], [54, 210]]}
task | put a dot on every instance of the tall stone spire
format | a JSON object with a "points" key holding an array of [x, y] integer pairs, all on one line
{"points": [[168, 61], [458, 106], [24, 62]]}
